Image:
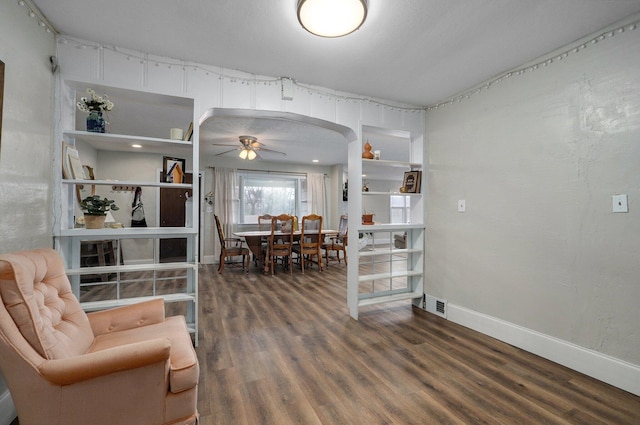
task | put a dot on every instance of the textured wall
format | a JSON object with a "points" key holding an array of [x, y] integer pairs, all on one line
{"points": [[26, 150], [27, 131], [537, 158]]}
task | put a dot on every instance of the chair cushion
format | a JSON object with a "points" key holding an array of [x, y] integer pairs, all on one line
{"points": [[37, 294], [184, 370]]}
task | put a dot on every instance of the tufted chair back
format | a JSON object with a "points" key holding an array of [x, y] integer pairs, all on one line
{"points": [[37, 294], [125, 365]]}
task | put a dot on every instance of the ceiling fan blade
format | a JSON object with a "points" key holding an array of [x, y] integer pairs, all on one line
{"points": [[271, 150], [220, 144], [222, 153]]}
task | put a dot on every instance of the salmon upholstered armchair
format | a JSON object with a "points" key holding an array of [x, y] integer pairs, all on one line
{"points": [[128, 365]]}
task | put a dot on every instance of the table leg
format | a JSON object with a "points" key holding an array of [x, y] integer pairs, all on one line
{"points": [[255, 245]]}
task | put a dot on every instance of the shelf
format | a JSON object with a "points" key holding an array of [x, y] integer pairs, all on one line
{"points": [[387, 252], [124, 142], [390, 193], [387, 163], [387, 275], [392, 296], [98, 140], [387, 227], [106, 304], [129, 233], [128, 183], [130, 268]]}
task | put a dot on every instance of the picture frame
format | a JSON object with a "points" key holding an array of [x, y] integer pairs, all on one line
{"points": [[71, 164], [412, 181], [188, 134], [173, 169], [84, 190]]}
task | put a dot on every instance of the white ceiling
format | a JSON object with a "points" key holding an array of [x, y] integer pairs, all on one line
{"points": [[418, 52]]}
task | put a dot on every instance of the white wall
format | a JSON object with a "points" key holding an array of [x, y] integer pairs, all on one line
{"points": [[27, 134], [537, 158]]}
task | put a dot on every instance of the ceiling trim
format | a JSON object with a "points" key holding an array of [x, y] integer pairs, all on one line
{"points": [[346, 132]]}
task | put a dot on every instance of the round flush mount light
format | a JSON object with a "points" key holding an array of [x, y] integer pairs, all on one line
{"points": [[331, 18]]}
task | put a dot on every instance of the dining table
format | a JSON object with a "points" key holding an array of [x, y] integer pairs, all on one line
{"points": [[254, 238]]}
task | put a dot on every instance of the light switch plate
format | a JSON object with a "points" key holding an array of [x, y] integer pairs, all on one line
{"points": [[462, 205], [619, 204]]}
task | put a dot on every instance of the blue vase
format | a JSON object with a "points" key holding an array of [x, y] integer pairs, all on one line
{"points": [[95, 122]]}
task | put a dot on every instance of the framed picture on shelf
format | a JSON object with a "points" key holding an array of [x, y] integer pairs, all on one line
{"points": [[71, 165], [173, 169], [188, 133], [412, 181]]}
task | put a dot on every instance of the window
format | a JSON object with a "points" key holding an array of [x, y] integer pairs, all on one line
{"points": [[400, 209], [271, 193]]}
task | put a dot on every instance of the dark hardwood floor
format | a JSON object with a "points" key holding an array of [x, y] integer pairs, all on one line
{"points": [[283, 350]]}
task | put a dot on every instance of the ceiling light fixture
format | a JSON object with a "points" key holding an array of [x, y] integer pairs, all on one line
{"points": [[331, 18], [246, 153]]}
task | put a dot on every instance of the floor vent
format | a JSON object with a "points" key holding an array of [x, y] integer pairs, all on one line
{"points": [[436, 306]]}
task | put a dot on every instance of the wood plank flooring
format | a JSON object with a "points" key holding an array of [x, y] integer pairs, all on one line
{"points": [[283, 350]]}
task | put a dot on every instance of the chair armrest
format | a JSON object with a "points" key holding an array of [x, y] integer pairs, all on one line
{"points": [[93, 365], [234, 241], [127, 317]]}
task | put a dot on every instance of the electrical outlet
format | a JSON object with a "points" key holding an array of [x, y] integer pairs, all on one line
{"points": [[462, 205], [619, 204]]}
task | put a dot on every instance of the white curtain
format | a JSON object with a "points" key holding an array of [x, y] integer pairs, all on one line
{"points": [[225, 204], [317, 193]]}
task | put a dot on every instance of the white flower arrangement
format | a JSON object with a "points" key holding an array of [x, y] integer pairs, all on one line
{"points": [[93, 102]]}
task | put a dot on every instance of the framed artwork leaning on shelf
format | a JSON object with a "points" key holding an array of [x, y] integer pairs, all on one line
{"points": [[172, 169], [412, 181]]}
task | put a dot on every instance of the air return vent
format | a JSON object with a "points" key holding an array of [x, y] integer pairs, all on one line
{"points": [[436, 306]]}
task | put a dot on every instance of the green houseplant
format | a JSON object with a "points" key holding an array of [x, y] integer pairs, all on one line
{"points": [[95, 210]]}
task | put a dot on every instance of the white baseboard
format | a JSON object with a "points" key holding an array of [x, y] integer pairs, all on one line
{"points": [[209, 259], [605, 368]]}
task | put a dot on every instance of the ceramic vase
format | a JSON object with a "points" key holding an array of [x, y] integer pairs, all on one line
{"points": [[95, 122]]}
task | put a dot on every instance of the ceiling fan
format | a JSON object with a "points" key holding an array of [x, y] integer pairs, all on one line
{"points": [[249, 148]]}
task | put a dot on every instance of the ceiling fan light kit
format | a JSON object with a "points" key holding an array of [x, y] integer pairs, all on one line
{"points": [[331, 18], [249, 148]]}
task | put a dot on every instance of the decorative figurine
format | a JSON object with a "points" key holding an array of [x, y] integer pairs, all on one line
{"points": [[367, 154]]}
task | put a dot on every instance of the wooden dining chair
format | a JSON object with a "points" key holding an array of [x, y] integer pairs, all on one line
{"points": [[310, 244], [280, 242], [231, 247], [339, 242], [264, 223]]}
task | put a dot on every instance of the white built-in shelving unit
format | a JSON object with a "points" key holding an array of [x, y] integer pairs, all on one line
{"points": [[135, 117], [379, 271]]}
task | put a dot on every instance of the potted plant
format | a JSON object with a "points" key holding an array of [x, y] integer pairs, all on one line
{"points": [[95, 210]]}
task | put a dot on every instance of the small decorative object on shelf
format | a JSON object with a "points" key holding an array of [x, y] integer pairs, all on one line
{"points": [[95, 210], [367, 219], [367, 154], [173, 169], [376, 154], [365, 187], [412, 181], [95, 105]]}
